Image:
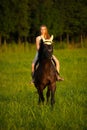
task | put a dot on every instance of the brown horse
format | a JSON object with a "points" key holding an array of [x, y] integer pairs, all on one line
{"points": [[45, 74]]}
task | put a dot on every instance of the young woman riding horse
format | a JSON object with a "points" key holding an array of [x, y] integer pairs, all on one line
{"points": [[45, 73], [45, 35]]}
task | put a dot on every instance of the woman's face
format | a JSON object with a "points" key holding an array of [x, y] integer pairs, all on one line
{"points": [[43, 30]]}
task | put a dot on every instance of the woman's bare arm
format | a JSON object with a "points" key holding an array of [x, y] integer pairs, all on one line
{"points": [[38, 42]]}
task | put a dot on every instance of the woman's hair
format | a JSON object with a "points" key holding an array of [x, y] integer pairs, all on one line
{"points": [[46, 36]]}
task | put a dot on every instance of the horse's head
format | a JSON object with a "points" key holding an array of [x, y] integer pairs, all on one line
{"points": [[46, 48]]}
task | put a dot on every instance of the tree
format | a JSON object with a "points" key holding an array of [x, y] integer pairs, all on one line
{"points": [[5, 19], [23, 18], [34, 19], [21, 15]]}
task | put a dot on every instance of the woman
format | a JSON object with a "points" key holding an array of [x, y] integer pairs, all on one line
{"points": [[45, 35]]}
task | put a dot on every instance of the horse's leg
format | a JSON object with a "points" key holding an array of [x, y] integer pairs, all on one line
{"points": [[39, 101], [48, 94], [53, 88], [41, 97]]}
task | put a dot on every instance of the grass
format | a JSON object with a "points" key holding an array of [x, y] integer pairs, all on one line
{"points": [[18, 98]]}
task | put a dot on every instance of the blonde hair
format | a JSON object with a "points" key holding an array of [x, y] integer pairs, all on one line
{"points": [[46, 36]]}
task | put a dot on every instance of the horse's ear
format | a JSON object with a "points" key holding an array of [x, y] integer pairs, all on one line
{"points": [[43, 39], [41, 42], [51, 38], [47, 41]]}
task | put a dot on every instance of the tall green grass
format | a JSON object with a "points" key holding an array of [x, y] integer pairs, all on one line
{"points": [[18, 98]]}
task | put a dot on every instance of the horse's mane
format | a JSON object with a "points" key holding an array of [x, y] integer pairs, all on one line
{"points": [[45, 50]]}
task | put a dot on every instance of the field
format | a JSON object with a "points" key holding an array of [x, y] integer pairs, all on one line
{"points": [[18, 98]]}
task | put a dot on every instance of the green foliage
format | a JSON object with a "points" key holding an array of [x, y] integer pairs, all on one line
{"points": [[14, 16], [18, 98], [5, 19], [22, 14], [23, 18]]}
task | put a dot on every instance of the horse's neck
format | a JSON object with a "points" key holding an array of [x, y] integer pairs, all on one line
{"points": [[45, 62]]}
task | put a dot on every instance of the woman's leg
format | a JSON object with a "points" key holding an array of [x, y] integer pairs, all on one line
{"points": [[34, 62], [57, 63], [33, 66], [57, 68]]}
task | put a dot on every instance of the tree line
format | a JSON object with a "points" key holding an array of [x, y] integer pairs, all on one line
{"points": [[20, 21]]}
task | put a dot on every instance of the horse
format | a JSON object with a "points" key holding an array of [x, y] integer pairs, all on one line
{"points": [[45, 73]]}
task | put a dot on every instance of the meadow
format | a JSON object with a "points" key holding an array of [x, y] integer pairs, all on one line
{"points": [[19, 109]]}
